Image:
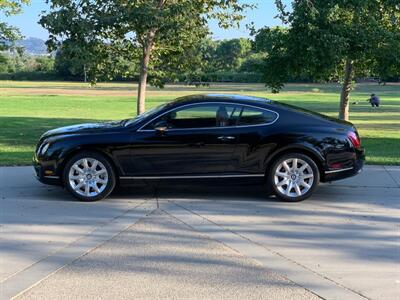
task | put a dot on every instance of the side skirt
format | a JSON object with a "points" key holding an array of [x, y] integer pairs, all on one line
{"points": [[191, 176]]}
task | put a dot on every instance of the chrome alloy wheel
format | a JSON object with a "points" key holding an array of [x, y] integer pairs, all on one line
{"points": [[88, 177], [293, 177]]}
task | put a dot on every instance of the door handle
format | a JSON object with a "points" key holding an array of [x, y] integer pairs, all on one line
{"points": [[226, 138]]}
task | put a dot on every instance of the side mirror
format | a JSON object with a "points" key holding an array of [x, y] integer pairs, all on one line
{"points": [[161, 126]]}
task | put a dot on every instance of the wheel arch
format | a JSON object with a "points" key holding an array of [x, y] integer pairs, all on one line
{"points": [[313, 154], [68, 155]]}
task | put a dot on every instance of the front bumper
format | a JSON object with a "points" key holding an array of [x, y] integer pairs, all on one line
{"points": [[41, 170]]}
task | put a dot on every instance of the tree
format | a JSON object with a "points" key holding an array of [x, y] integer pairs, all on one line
{"points": [[269, 39], [9, 34], [231, 53], [335, 39], [253, 63], [153, 33], [270, 43], [69, 61], [74, 61], [44, 64]]}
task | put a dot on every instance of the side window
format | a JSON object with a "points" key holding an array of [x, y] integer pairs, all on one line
{"points": [[198, 116], [254, 116]]}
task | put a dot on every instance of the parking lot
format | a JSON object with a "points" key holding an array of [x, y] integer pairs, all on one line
{"points": [[196, 241]]}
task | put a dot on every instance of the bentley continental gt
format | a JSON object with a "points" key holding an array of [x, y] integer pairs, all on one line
{"points": [[200, 137]]}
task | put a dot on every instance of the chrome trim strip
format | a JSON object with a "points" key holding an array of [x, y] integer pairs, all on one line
{"points": [[52, 177], [200, 128], [191, 176], [340, 170]]}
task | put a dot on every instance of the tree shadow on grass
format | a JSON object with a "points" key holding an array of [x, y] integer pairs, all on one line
{"points": [[19, 135], [24, 131]]}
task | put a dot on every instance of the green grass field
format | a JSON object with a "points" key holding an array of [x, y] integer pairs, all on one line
{"points": [[27, 109]]}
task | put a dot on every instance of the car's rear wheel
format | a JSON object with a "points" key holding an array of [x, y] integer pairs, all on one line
{"points": [[89, 176], [294, 177]]}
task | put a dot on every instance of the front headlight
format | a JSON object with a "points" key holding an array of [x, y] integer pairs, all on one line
{"points": [[44, 149]]}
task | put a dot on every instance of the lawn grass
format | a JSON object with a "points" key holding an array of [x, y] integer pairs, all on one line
{"points": [[27, 109]]}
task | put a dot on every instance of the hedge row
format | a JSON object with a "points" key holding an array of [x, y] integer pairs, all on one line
{"points": [[206, 77]]}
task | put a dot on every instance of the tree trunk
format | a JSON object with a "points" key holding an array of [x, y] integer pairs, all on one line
{"points": [[344, 96], [84, 72], [144, 65], [141, 98]]}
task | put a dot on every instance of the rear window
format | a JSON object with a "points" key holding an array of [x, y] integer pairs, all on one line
{"points": [[254, 116]]}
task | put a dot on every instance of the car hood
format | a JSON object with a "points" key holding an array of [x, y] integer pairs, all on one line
{"points": [[84, 128]]}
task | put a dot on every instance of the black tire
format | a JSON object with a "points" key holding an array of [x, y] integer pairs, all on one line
{"points": [[290, 197], [108, 187]]}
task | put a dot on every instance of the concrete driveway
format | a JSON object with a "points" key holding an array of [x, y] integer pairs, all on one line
{"points": [[196, 241]]}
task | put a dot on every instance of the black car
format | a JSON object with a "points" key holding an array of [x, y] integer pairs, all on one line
{"points": [[203, 137]]}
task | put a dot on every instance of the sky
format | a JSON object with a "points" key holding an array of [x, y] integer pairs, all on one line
{"points": [[263, 15]]}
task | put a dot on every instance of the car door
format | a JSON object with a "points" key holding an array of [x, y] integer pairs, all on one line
{"points": [[192, 140], [256, 138]]}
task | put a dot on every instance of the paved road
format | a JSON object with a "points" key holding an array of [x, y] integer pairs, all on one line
{"points": [[201, 242]]}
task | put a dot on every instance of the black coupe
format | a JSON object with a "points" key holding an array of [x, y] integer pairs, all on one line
{"points": [[203, 137]]}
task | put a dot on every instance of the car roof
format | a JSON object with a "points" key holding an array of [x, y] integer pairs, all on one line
{"points": [[231, 98], [278, 107]]}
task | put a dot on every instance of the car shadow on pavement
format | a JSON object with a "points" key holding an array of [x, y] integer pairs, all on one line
{"points": [[189, 190]]}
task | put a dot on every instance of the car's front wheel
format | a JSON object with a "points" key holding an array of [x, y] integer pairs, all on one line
{"points": [[89, 176], [294, 177]]}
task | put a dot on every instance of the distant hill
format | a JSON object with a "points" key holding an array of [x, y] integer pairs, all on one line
{"points": [[33, 46]]}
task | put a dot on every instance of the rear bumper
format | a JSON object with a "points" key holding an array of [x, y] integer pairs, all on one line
{"points": [[354, 169]]}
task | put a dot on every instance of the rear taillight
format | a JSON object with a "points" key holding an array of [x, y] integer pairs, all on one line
{"points": [[354, 139]]}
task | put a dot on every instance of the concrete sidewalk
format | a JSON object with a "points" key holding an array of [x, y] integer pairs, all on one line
{"points": [[374, 176], [189, 241], [162, 258]]}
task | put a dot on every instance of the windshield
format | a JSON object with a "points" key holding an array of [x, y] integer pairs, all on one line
{"points": [[143, 116]]}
